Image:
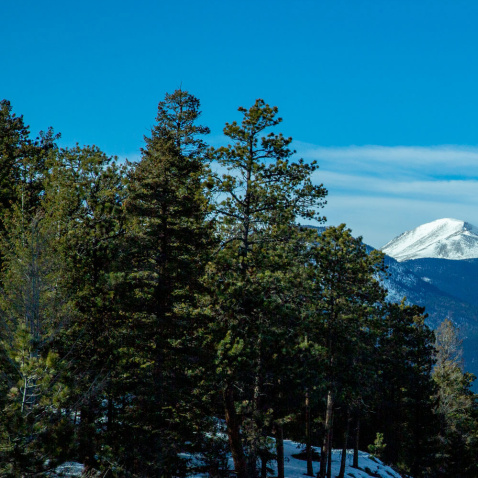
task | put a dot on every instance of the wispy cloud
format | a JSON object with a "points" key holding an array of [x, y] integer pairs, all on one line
{"points": [[431, 154], [434, 161], [381, 191], [381, 219], [442, 190]]}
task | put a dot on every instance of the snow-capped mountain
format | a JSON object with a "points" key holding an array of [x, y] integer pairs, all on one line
{"points": [[441, 239], [447, 289], [436, 266]]}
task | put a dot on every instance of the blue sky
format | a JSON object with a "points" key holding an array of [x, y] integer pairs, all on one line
{"points": [[384, 94]]}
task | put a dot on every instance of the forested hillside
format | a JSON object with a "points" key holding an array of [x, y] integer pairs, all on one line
{"points": [[146, 307]]}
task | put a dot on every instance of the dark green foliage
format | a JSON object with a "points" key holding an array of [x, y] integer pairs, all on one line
{"points": [[168, 236], [32, 310], [22, 161], [59, 305], [14, 137], [406, 389], [176, 305], [262, 194], [83, 203], [344, 306], [457, 406]]}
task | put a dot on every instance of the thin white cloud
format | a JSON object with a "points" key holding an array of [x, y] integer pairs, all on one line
{"points": [[380, 219], [443, 154], [404, 161], [440, 190], [381, 191]]}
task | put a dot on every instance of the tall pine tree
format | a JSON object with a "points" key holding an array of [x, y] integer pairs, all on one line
{"points": [[169, 235], [345, 298], [261, 195], [83, 203]]}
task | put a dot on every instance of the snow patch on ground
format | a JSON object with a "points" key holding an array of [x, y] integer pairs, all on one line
{"points": [[368, 466], [295, 468], [69, 468]]}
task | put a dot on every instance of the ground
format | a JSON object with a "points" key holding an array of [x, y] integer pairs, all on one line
{"points": [[294, 468]]}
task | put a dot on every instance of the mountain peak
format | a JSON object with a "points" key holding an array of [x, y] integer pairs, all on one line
{"points": [[441, 239]]}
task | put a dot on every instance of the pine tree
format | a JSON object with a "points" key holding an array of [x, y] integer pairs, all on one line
{"points": [[169, 236], [14, 135], [456, 405], [83, 203], [405, 399], [32, 311], [261, 195], [344, 296], [22, 161]]}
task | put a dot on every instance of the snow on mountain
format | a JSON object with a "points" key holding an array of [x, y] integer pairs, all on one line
{"points": [[441, 239]]}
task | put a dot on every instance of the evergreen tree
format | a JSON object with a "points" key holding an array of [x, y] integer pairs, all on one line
{"points": [[345, 298], [83, 203], [405, 399], [22, 161], [261, 195], [14, 136], [169, 236], [456, 406], [32, 311]]}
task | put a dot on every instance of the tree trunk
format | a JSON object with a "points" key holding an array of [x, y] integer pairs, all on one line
{"points": [[233, 434], [86, 449], [264, 466], [356, 443], [344, 447], [308, 438], [327, 443], [329, 457], [256, 432], [110, 418], [279, 432]]}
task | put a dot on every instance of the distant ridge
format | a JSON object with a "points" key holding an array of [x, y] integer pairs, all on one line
{"points": [[447, 238]]}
